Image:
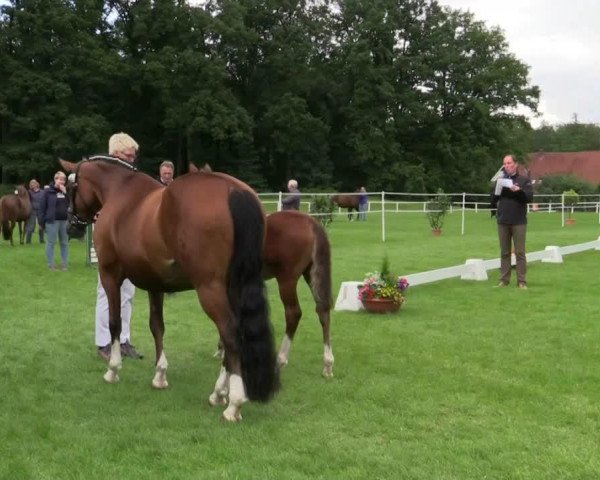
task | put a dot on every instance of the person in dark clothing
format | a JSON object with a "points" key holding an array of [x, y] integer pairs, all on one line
{"points": [[363, 204], [513, 191], [35, 195], [292, 201], [54, 206]]}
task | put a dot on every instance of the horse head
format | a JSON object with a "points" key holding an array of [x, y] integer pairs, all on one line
{"points": [[21, 192], [77, 221]]}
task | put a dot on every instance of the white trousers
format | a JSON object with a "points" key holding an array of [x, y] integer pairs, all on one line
{"points": [[102, 330]]}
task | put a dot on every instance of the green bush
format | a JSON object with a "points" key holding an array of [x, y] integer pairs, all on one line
{"points": [[322, 207], [561, 183]]}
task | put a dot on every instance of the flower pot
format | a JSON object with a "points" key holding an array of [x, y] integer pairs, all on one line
{"points": [[570, 221], [380, 305], [436, 232]]}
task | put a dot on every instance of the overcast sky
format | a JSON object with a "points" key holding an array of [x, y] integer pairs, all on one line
{"points": [[560, 41]]}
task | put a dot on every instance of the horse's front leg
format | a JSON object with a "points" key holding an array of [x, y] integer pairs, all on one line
{"points": [[157, 327], [11, 230], [21, 233], [112, 287]]}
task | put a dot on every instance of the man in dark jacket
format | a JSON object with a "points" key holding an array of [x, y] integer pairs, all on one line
{"points": [[512, 194], [292, 201]]}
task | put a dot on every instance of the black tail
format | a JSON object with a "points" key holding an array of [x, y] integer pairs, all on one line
{"points": [[320, 270], [247, 298]]}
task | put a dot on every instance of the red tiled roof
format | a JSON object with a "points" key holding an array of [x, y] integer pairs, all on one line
{"points": [[585, 165]]}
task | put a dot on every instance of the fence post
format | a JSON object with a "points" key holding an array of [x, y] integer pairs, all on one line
{"points": [[279, 204], [462, 228], [562, 210], [383, 216]]}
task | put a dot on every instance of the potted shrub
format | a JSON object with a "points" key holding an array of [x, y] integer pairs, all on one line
{"points": [[570, 198], [437, 208], [382, 292]]}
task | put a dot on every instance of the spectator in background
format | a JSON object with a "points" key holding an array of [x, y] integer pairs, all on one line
{"points": [[121, 146], [166, 172], [53, 210], [36, 195], [511, 213], [292, 201], [363, 204]]}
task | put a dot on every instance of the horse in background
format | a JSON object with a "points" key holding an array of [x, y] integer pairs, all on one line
{"points": [[349, 201], [297, 246], [15, 208], [203, 232]]}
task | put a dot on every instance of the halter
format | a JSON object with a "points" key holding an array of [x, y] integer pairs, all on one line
{"points": [[74, 218]]}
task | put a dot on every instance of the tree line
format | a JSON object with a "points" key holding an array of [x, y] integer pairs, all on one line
{"points": [[396, 95]]}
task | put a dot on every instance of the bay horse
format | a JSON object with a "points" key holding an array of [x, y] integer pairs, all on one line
{"points": [[15, 208], [297, 246], [347, 200], [203, 232]]}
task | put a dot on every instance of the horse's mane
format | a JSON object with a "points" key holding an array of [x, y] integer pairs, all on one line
{"points": [[122, 163]]}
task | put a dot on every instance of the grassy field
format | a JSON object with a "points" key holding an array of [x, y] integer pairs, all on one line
{"points": [[467, 381]]}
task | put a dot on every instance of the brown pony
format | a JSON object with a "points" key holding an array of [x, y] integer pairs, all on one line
{"points": [[15, 208], [347, 200], [296, 245], [203, 232]]}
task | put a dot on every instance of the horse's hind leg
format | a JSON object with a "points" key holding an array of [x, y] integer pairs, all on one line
{"points": [[229, 384], [325, 320], [327, 350], [157, 327], [293, 313]]}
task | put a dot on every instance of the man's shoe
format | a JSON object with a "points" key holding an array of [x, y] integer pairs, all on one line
{"points": [[522, 286], [502, 284], [104, 352], [128, 350]]}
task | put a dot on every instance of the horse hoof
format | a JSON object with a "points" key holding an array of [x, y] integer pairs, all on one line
{"points": [[216, 400], [111, 376], [328, 372], [232, 415], [160, 384]]}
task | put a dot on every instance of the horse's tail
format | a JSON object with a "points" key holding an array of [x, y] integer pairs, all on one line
{"points": [[320, 270], [247, 298]]}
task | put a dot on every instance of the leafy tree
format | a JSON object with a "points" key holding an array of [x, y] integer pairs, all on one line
{"points": [[569, 137]]}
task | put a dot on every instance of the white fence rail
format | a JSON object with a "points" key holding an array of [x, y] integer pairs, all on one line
{"points": [[382, 203], [472, 269]]}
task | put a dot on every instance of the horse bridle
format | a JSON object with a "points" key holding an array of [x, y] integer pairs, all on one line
{"points": [[74, 219]]}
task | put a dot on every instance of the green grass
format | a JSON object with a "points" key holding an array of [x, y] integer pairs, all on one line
{"points": [[465, 382]]}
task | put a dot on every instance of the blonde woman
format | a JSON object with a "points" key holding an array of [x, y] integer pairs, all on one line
{"points": [[54, 206], [123, 147]]}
